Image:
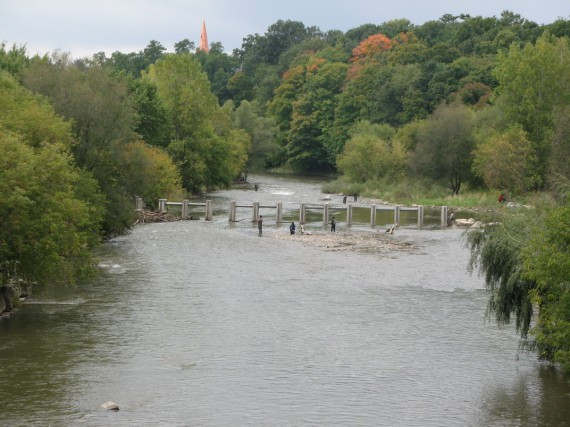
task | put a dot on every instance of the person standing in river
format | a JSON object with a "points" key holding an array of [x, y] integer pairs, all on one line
{"points": [[292, 228], [333, 226], [260, 224]]}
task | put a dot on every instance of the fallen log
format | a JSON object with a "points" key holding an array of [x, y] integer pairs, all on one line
{"points": [[156, 216]]}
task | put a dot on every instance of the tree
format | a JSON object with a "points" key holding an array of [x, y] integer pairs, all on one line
{"points": [[265, 50], [153, 125], [207, 153], [560, 150], [240, 87], [373, 45], [31, 116], [47, 229], [504, 160], [308, 141], [14, 60], [496, 253], [103, 124], [134, 63], [525, 259], [533, 82], [395, 26], [546, 261], [151, 174], [184, 46], [281, 107], [372, 153], [261, 131], [444, 145], [51, 212], [362, 32], [219, 67]]}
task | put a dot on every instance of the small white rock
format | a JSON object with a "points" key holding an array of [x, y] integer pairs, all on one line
{"points": [[110, 406]]}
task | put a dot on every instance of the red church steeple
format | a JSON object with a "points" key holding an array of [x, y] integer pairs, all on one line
{"points": [[204, 38]]}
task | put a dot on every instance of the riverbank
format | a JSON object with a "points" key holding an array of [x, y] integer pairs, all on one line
{"points": [[10, 297], [410, 192]]}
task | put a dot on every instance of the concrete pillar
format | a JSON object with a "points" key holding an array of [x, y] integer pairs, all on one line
{"points": [[162, 205], [326, 214], [444, 216], [349, 214], [373, 215], [279, 219], [397, 216], [420, 216], [255, 214], [139, 204], [209, 210], [232, 211], [302, 214], [185, 209]]}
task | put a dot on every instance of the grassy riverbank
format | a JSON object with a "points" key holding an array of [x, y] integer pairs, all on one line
{"points": [[408, 192]]}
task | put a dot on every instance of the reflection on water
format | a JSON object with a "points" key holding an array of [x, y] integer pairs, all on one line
{"points": [[529, 402], [195, 323]]}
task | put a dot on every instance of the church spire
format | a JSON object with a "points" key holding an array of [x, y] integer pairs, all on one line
{"points": [[204, 38]]}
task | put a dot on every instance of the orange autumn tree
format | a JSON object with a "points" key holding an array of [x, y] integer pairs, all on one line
{"points": [[366, 51], [376, 43]]}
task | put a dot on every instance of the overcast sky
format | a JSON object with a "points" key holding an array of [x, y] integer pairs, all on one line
{"points": [[84, 27]]}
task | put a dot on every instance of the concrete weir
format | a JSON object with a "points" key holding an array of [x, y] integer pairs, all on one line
{"points": [[326, 209]]}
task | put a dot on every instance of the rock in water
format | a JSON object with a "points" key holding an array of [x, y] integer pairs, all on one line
{"points": [[110, 406]]}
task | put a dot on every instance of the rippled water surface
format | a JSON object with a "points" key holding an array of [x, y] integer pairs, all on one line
{"points": [[195, 323]]}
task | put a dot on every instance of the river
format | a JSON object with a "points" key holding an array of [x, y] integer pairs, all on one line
{"points": [[199, 323]]}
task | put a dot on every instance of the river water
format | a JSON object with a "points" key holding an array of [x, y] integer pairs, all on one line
{"points": [[208, 324]]}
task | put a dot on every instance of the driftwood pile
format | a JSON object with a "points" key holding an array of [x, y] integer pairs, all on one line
{"points": [[156, 216]]}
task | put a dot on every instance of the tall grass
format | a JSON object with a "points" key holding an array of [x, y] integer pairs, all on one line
{"points": [[408, 192]]}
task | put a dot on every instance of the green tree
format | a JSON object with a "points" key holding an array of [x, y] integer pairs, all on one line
{"points": [[151, 174], [219, 67], [546, 261], [152, 124], [533, 82], [372, 153], [31, 115], [13, 60], [184, 46], [103, 124], [51, 212], [48, 230], [134, 63], [525, 259], [496, 253], [240, 87], [261, 131], [444, 145], [504, 160], [308, 144], [560, 151], [202, 145]]}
